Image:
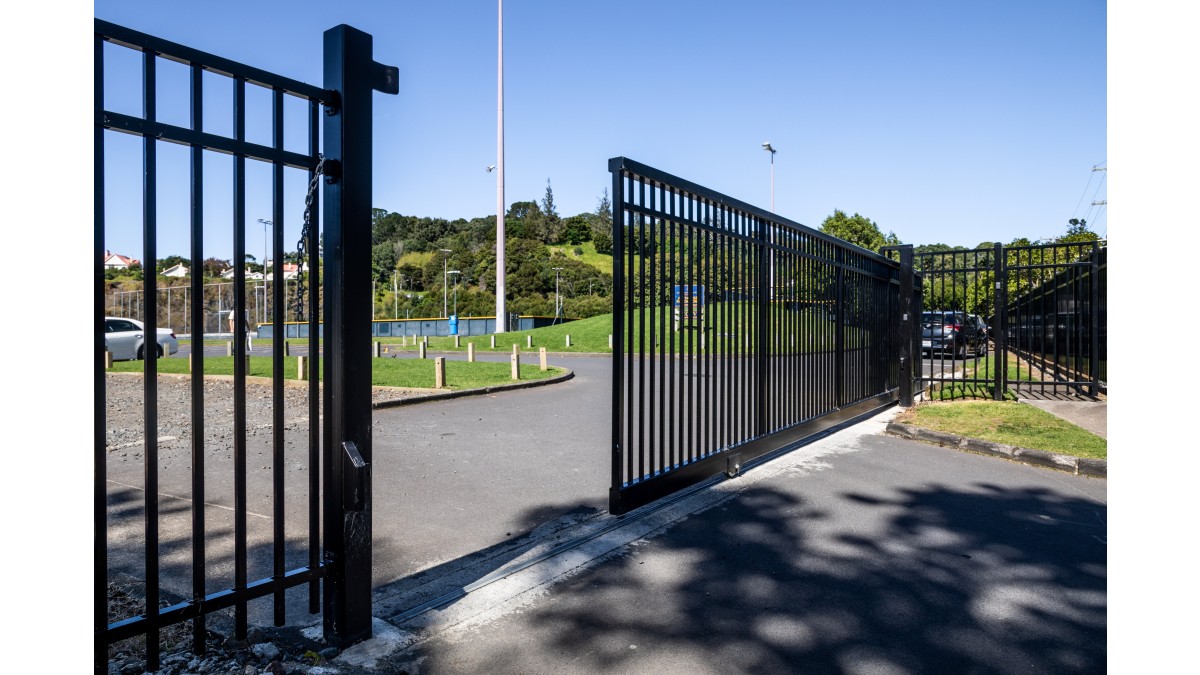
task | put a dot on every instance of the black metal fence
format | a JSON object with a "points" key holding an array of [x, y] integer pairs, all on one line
{"points": [[1056, 317], [1027, 320], [337, 439], [735, 333]]}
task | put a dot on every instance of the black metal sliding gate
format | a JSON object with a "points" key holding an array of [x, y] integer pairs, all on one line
{"points": [[337, 442], [1041, 312], [736, 333]]}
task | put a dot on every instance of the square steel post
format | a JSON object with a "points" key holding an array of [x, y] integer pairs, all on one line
{"points": [[999, 300], [352, 75], [1094, 321], [908, 321]]}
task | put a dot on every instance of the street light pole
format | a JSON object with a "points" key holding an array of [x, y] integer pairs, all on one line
{"points": [[501, 310], [557, 300], [768, 148], [266, 226], [455, 273], [445, 256]]}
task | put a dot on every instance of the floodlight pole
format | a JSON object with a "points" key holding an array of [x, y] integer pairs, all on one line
{"points": [[501, 310]]}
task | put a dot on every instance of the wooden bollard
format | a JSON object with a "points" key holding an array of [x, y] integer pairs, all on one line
{"points": [[529, 342], [376, 349], [425, 339], [516, 365], [470, 352], [610, 340], [493, 342], [421, 348], [516, 349], [542, 354], [228, 349], [287, 351], [439, 372], [107, 360], [301, 368], [457, 343], [568, 340]]}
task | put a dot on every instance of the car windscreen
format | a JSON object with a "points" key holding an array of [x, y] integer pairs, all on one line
{"points": [[939, 319]]}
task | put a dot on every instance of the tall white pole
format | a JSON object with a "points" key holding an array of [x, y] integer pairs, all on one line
{"points": [[501, 311], [772, 181]]}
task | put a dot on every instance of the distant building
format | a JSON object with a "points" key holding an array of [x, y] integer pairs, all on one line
{"points": [[179, 270], [118, 261]]}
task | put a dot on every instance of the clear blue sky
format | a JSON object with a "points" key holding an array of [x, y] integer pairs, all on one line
{"points": [[945, 122]]}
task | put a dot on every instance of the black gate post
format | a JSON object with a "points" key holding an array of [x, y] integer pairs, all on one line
{"points": [[352, 75], [839, 342], [999, 301], [907, 321], [1094, 322]]}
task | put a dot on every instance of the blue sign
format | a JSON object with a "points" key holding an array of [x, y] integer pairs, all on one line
{"points": [[689, 303]]}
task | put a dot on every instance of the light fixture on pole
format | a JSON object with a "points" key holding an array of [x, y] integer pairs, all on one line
{"points": [[445, 256], [767, 146], [557, 298], [266, 226]]}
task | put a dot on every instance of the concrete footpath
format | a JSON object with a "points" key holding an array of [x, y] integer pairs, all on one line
{"points": [[858, 553]]}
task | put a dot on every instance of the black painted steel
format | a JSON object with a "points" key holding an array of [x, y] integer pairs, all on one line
{"points": [[346, 371], [351, 71], [1043, 310], [795, 333]]}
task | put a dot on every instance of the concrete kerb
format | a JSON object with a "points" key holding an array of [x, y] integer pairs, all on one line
{"points": [[480, 391], [426, 398], [1080, 466]]}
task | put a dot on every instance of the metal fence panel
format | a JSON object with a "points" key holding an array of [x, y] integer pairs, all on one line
{"points": [[193, 306], [736, 333], [1040, 311]]}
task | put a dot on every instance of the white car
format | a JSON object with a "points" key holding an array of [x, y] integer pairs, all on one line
{"points": [[125, 338]]}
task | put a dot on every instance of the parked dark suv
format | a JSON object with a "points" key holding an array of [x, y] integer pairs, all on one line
{"points": [[956, 333]]}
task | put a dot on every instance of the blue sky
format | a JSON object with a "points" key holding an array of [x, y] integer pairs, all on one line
{"points": [[945, 122]]}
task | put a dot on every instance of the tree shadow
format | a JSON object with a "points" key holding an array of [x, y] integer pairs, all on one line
{"points": [[982, 579]]}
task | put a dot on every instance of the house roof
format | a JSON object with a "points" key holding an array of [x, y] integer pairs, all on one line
{"points": [[117, 257]]}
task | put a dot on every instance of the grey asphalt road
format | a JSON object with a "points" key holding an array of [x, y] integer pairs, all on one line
{"points": [[858, 554]]}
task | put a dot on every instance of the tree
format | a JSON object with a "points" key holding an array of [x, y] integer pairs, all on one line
{"points": [[523, 220], [212, 267], [171, 261], [551, 225], [858, 230], [1077, 231], [602, 225]]}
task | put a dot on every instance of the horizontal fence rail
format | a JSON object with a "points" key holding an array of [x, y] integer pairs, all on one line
{"points": [[736, 333], [193, 306]]}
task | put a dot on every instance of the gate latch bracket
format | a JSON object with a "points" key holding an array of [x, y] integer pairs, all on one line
{"points": [[356, 474]]}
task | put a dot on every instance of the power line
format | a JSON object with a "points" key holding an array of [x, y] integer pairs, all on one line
{"points": [[1095, 168]]}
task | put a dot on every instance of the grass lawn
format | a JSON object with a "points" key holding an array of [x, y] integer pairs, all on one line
{"points": [[588, 336], [384, 372], [601, 261], [1008, 422], [984, 369]]}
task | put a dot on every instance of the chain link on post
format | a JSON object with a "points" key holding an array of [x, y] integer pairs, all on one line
{"points": [[302, 245]]}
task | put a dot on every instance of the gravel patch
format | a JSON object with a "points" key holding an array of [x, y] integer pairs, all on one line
{"points": [[267, 649]]}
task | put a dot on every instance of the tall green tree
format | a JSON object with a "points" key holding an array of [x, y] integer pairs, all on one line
{"points": [[551, 225], [602, 225], [858, 230]]}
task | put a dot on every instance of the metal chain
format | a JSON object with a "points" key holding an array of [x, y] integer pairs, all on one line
{"points": [[302, 245]]}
